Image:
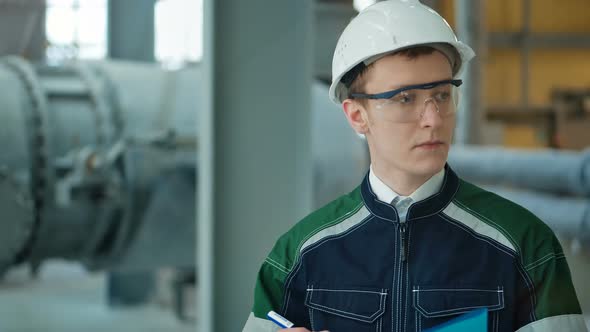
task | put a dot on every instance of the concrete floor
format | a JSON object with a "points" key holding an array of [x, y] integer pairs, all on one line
{"points": [[65, 298]]}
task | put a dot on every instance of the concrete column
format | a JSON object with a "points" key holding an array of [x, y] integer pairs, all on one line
{"points": [[330, 19], [470, 30], [254, 152], [131, 30]]}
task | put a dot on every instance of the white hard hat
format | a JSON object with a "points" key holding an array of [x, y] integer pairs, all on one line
{"points": [[390, 26]]}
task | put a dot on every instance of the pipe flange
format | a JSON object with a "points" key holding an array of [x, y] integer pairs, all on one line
{"points": [[99, 107], [17, 219], [36, 120]]}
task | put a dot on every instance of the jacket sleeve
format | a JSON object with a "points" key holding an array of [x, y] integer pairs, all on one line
{"points": [[268, 295], [555, 306]]}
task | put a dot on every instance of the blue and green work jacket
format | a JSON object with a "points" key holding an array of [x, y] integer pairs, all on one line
{"points": [[354, 266]]}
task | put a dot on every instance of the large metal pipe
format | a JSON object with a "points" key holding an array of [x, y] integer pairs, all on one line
{"points": [[569, 216], [95, 154], [83, 148], [563, 172]]}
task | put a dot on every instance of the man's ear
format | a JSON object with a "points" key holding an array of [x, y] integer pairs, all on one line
{"points": [[356, 115]]}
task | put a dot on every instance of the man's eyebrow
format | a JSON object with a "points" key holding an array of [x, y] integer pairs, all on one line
{"points": [[395, 87], [401, 86]]}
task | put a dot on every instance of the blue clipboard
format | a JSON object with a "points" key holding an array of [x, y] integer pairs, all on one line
{"points": [[474, 321]]}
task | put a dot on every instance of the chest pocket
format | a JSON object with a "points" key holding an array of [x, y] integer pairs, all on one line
{"points": [[345, 309], [434, 306]]}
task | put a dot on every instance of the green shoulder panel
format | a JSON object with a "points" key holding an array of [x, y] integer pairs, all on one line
{"points": [[532, 238], [269, 291], [554, 290], [538, 250]]}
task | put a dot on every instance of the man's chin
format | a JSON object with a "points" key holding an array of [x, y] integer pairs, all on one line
{"points": [[430, 166]]}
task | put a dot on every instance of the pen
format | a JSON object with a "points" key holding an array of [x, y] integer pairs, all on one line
{"points": [[279, 320]]}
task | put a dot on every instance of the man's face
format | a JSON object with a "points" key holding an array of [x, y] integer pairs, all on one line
{"points": [[417, 148]]}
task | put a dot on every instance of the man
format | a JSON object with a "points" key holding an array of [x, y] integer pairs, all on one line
{"points": [[413, 246]]}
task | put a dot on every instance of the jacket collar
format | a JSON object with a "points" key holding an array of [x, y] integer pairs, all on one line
{"points": [[385, 194], [421, 209]]}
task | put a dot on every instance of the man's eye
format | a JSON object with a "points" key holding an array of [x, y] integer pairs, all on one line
{"points": [[442, 96], [404, 98]]}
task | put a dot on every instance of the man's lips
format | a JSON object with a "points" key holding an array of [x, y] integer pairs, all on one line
{"points": [[430, 144]]}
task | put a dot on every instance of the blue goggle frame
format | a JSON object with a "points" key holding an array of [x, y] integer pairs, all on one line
{"points": [[392, 93]]}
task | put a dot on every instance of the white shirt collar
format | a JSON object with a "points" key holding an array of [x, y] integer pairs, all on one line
{"points": [[385, 194]]}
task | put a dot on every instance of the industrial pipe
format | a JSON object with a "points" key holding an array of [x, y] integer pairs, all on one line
{"points": [[559, 172]]}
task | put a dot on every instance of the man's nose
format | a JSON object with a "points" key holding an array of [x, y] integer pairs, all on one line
{"points": [[430, 115]]}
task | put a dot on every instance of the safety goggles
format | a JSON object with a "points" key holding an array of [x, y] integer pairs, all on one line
{"points": [[408, 104]]}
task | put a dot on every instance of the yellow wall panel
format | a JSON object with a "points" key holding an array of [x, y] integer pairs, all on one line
{"points": [[560, 15], [523, 136], [446, 8], [503, 15], [548, 69], [546, 15], [501, 73], [499, 15], [557, 68]]}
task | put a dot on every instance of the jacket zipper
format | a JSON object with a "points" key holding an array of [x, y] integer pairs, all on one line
{"points": [[403, 252], [403, 249]]}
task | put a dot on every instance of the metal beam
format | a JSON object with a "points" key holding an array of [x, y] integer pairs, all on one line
{"points": [[131, 30], [255, 155], [540, 40], [22, 29]]}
